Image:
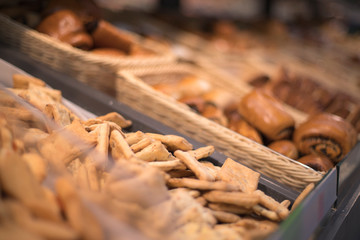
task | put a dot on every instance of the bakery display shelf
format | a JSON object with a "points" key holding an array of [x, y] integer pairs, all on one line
{"points": [[296, 226], [99, 104]]}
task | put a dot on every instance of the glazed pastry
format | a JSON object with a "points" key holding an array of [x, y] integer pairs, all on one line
{"points": [[318, 163], [325, 134], [266, 114], [239, 125], [212, 112], [285, 147], [107, 35], [111, 52], [66, 26]]}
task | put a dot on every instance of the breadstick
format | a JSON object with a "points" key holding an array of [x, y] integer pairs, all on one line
{"points": [[246, 200], [272, 204], [168, 165], [266, 213], [143, 143], [194, 165], [225, 217], [229, 208], [200, 184], [286, 203], [302, 195]]}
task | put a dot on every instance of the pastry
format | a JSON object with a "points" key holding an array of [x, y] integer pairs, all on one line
{"points": [[325, 134], [67, 27], [239, 125], [318, 163], [107, 35], [285, 147], [266, 113]]}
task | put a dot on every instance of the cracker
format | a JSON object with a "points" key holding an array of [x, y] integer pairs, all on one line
{"points": [[202, 152], [194, 165], [172, 142], [23, 81], [58, 113], [200, 184], [116, 118], [134, 137], [119, 146], [237, 174], [168, 165], [303, 195], [246, 200], [156, 151]]}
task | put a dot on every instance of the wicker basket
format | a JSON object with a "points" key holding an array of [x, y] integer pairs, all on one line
{"points": [[133, 88], [97, 71]]}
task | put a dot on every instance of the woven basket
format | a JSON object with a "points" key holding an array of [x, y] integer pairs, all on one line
{"points": [[97, 71], [133, 88]]}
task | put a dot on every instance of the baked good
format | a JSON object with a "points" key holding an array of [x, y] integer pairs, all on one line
{"points": [[266, 113], [318, 163], [212, 112], [239, 125], [325, 134], [196, 103], [285, 147], [67, 27], [107, 35], [111, 52], [220, 98]]}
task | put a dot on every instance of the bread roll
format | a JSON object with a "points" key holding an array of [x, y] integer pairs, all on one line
{"points": [[67, 27], [266, 114], [325, 134]]}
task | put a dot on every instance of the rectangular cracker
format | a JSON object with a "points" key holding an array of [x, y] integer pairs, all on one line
{"points": [[172, 142], [237, 174]]}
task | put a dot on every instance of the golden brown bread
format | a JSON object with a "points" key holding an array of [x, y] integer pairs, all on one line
{"points": [[266, 114], [239, 125], [67, 27], [285, 147], [325, 134], [212, 112], [319, 163], [107, 35], [111, 52]]}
